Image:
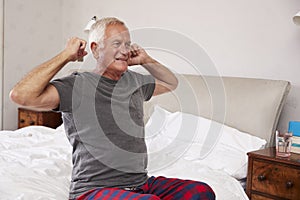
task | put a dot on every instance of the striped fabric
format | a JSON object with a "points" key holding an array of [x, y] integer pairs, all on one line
{"points": [[155, 188]]}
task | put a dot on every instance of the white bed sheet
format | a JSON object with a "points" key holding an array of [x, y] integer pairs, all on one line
{"points": [[183, 135], [225, 186], [35, 163]]}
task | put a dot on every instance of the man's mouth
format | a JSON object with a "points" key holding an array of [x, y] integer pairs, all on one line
{"points": [[121, 59]]}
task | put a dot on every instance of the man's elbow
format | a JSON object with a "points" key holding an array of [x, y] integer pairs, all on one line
{"points": [[173, 85], [162, 87], [17, 98]]}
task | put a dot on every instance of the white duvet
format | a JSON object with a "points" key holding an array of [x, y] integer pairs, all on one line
{"points": [[35, 163]]}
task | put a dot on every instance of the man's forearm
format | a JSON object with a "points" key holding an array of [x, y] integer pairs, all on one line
{"points": [[34, 89], [161, 73], [35, 82]]}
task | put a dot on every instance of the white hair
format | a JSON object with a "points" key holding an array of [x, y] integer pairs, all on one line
{"points": [[97, 31]]}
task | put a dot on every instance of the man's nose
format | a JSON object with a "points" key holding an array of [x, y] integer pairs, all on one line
{"points": [[124, 49]]}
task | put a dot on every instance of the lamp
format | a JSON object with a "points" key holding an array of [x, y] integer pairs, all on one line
{"points": [[89, 24], [296, 19]]}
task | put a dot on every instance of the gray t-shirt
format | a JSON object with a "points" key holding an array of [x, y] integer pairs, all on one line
{"points": [[103, 120]]}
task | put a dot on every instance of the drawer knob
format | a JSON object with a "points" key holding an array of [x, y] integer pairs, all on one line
{"points": [[261, 177], [22, 120], [31, 123], [289, 184]]}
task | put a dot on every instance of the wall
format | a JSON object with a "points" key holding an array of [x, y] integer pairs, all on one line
{"points": [[237, 37], [32, 34], [241, 38], [1, 62]]}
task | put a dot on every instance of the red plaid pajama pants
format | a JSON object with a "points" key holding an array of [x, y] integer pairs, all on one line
{"points": [[154, 189]]}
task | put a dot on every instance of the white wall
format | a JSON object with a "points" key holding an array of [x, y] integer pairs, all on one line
{"points": [[32, 34], [1, 62], [242, 38]]}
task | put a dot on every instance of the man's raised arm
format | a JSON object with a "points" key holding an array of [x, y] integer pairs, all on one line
{"points": [[34, 90], [165, 80]]}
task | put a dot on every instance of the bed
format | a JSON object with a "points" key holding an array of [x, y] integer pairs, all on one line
{"points": [[201, 131]]}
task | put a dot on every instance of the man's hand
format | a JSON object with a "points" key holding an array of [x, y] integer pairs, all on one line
{"points": [[75, 49], [138, 56]]}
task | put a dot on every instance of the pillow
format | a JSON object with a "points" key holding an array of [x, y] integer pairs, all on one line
{"points": [[197, 139]]}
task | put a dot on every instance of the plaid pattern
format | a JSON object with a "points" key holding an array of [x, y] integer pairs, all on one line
{"points": [[154, 189]]}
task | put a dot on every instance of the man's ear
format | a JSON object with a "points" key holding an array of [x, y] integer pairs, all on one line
{"points": [[94, 49]]}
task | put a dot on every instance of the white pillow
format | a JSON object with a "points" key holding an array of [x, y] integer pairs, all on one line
{"points": [[182, 135]]}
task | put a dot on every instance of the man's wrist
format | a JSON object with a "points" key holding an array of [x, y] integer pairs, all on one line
{"points": [[148, 62], [66, 56]]}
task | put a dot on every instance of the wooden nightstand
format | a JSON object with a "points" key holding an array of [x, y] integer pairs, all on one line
{"points": [[30, 117], [270, 177]]}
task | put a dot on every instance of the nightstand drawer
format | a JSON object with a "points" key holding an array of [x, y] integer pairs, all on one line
{"points": [[276, 179], [258, 197], [27, 118], [30, 117]]}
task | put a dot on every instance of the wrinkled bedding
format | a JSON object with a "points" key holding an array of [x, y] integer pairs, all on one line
{"points": [[35, 163]]}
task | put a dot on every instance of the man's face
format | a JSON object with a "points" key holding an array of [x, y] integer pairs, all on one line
{"points": [[116, 47]]}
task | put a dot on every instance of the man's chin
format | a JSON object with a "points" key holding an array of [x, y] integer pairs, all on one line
{"points": [[125, 69], [119, 68]]}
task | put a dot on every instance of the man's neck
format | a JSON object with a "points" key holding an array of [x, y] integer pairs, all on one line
{"points": [[113, 75]]}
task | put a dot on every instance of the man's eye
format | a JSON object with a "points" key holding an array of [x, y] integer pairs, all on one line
{"points": [[127, 45], [116, 44]]}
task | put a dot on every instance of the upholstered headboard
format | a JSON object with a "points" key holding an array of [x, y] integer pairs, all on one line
{"points": [[247, 104]]}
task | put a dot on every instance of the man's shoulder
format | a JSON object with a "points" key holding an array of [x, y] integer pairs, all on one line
{"points": [[132, 73], [137, 75], [72, 79]]}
